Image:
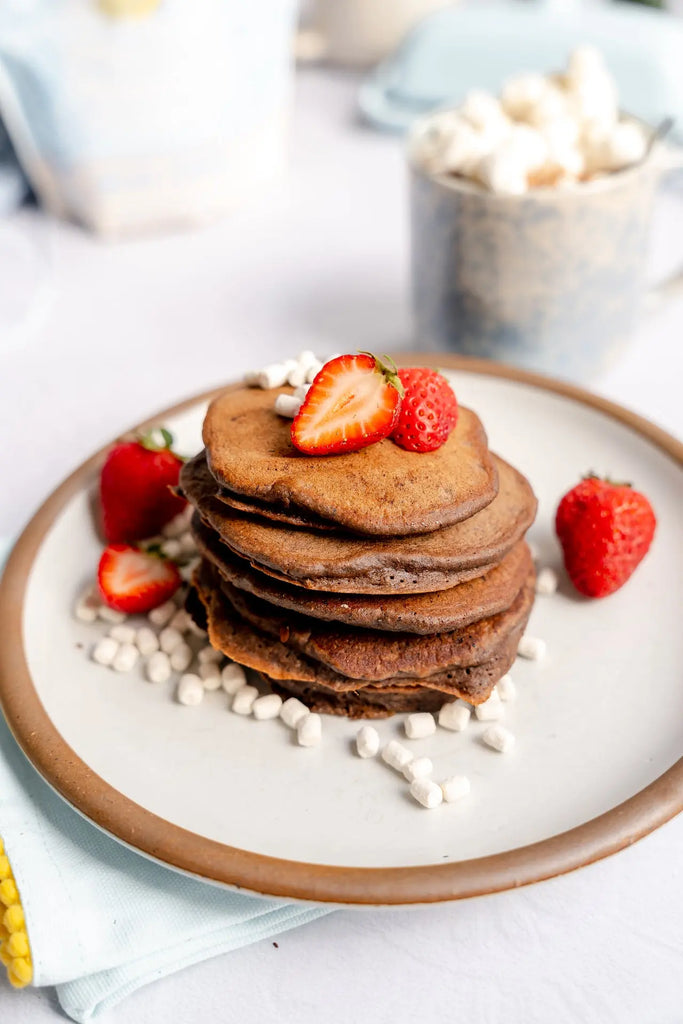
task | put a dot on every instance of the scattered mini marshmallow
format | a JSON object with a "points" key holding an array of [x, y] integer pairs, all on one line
{"points": [[531, 647], [146, 641], [209, 653], [196, 630], [367, 741], [505, 688], [419, 725], [178, 524], [233, 677], [302, 391], [309, 731], [498, 738], [625, 145], [526, 144], [188, 544], [180, 621], [455, 788], [181, 657], [210, 675], [267, 707], [418, 768], [454, 716], [396, 755], [162, 614], [105, 651], [584, 62], [551, 105], [464, 150], [273, 376], [171, 548], [287, 406], [158, 668], [521, 93], [297, 376], [125, 658], [307, 357], [313, 371], [293, 711], [427, 793], [169, 639], [490, 709], [546, 581], [88, 604], [123, 634], [190, 691], [503, 173], [243, 701], [483, 110], [108, 614]]}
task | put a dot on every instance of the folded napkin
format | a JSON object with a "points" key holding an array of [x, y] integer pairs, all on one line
{"points": [[101, 920]]}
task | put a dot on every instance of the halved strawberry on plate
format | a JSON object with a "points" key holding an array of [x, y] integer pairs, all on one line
{"points": [[353, 402], [134, 581]]}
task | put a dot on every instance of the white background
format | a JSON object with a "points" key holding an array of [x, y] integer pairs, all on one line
{"points": [[122, 330]]}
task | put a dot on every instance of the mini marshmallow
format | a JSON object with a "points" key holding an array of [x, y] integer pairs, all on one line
{"points": [[584, 62], [105, 651], [595, 99], [367, 741], [297, 376], [527, 145], [419, 768], [521, 93], [190, 691], [233, 677], [551, 105], [162, 614], [123, 634], [209, 653], [178, 524], [108, 614], [188, 545], [546, 581], [483, 110], [562, 132], [274, 375], [87, 605], [454, 716], [313, 371], [158, 668], [181, 656], [210, 675], [307, 357], [169, 639], [427, 793], [498, 738], [462, 153], [287, 406], [455, 788], [531, 647], [625, 145], [419, 725], [243, 701], [146, 641], [491, 709], [180, 621], [396, 755], [293, 711], [125, 658], [302, 391], [505, 688], [171, 548], [309, 731], [267, 707], [504, 173]]}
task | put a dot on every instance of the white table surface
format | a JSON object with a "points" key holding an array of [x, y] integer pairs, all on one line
{"points": [[322, 263]]}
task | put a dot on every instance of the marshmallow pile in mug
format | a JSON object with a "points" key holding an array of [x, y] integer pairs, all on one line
{"points": [[544, 130]]}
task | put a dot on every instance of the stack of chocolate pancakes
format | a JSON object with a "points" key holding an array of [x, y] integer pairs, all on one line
{"points": [[364, 584]]}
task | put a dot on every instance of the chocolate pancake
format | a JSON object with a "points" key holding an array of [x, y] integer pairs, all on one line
{"points": [[359, 565], [381, 490], [229, 633], [371, 656], [434, 612]]}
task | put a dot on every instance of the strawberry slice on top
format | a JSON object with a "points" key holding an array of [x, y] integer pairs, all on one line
{"points": [[353, 402], [134, 581]]}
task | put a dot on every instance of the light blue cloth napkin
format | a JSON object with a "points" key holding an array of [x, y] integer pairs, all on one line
{"points": [[103, 921]]}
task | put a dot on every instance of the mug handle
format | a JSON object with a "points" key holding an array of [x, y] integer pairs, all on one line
{"points": [[670, 158]]}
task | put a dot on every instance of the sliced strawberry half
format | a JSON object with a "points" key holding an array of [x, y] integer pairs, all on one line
{"points": [[353, 402], [133, 581]]}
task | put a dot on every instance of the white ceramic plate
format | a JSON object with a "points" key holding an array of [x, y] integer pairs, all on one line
{"points": [[597, 722]]}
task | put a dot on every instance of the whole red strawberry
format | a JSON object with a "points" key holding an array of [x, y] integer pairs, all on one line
{"points": [[352, 402], [134, 488], [429, 410], [605, 530]]}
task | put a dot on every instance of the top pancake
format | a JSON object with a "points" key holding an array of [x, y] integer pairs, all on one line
{"points": [[361, 565], [379, 490]]}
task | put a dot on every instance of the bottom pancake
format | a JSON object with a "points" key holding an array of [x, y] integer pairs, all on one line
{"points": [[287, 668]]}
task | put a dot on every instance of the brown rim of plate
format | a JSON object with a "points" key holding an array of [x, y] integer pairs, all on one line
{"points": [[178, 848]]}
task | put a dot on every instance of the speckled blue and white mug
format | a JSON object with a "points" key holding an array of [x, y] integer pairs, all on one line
{"points": [[553, 280]]}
